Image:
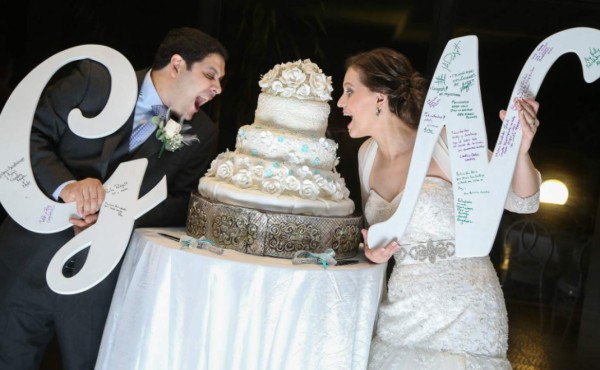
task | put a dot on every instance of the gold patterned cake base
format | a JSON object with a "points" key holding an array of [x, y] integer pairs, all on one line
{"points": [[271, 234]]}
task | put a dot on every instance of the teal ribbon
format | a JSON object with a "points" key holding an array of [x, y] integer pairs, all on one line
{"points": [[305, 257], [187, 241]]}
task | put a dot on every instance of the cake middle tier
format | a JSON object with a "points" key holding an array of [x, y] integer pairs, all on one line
{"points": [[282, 146], [258, 183]]}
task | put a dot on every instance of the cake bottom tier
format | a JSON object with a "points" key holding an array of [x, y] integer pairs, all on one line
{"points": [[271, 234]]}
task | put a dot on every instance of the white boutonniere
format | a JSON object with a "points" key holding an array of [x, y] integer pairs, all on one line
{"points": [[171, 134]]}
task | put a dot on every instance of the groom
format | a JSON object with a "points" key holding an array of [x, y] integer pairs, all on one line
{"points": [[186, 73]]}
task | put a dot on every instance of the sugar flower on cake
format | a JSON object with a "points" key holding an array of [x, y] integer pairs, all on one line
{"points": [[309, 190], [301, 79], [242, 179], [303, 91], [270, 76], [225, 170], [212, 171], [266, 137], [341, 191], [292, 158], [257, 172], [329, 188], [293, 76], [242, 163], [327, 144], [321, 86], [320, 181], [292, 184], [272, 186], [281, 173], [304, 172]]}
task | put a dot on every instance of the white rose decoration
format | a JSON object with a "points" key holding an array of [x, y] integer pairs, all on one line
{"points": [[242, 179], [288, 92], [321, 86], [310, 67], [341, 188], [303, 91], [330, 189], [266, 137], [272, 186], [293, 76], [292, 158], [242, 163], [281, 173], [225, 170], [336, 161], [213, 168], [337, 196], [291, 183], [277, 86], [268, 78], [301, 79], [309, 190], [320, 181], [257, 172], [304, 171]]}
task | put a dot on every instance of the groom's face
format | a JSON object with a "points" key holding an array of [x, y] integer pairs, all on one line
{"points": [[196, 86]]}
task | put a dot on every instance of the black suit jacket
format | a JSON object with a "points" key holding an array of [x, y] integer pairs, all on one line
{"points": [[59, 155]]}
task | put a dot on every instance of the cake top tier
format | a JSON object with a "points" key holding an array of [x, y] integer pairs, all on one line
{"points": [[301, 79]]}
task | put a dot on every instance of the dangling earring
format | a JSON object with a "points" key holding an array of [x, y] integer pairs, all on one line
{"points": [[377, 111]]}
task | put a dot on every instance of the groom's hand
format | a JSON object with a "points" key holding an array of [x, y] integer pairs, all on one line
{"points": [[87, 193]]}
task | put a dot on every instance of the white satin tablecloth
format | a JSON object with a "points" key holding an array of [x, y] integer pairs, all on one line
{"points": [[192, 309]]}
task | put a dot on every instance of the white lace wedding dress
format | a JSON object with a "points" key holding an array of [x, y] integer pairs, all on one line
{"points": [[441, 312]]}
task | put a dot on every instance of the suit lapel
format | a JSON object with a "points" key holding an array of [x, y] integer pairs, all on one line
{"points": [[150, 147], [116, 146]]}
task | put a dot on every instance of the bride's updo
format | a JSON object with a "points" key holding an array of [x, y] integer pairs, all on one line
{"points": [[389, 72]]}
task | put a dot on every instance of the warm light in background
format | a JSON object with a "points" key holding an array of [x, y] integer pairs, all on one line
{"points": [[554, 192]]}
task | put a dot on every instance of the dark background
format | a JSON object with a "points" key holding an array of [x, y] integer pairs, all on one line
{"points": [[259, 34]]}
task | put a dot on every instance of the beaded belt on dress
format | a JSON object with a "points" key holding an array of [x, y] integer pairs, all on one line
{"points": [[429, 251]]}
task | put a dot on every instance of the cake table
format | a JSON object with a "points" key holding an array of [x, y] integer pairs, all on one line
{"points": [[192, 309]]}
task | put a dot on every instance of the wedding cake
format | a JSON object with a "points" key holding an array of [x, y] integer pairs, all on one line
{"points": [[279, 191]]}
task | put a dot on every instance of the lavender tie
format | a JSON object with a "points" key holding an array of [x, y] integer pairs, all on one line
{"points": [[144, 130]]}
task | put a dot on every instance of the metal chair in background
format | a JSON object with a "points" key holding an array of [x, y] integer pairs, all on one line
{"points": [[568, 295], [529, 246]]}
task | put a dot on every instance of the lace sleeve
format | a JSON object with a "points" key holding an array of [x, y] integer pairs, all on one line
{"points": [[515, 203]]}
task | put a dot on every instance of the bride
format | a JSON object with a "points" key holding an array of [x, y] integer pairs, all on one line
{"points": [[439, 313]]}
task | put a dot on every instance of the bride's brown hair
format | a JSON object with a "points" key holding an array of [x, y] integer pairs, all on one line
{"points": [[389, 72]]}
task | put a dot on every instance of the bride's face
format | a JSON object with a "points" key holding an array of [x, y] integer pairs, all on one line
{"points": [[359, 103]]}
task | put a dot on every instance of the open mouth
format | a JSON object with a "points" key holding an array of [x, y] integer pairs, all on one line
{"points": [[199, 101]]}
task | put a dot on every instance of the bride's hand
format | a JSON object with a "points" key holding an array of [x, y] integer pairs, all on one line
{"points": [[527, 109], [381, 254]]}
